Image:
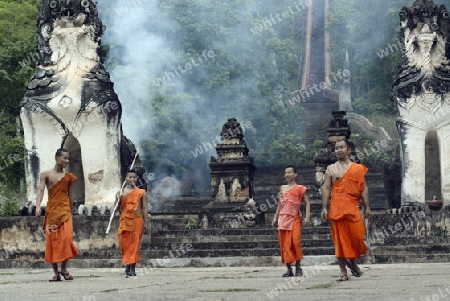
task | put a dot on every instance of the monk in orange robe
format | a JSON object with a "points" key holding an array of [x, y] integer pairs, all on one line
{"points": [[59, 246], [288, 217], [345, 182], [133, 221]]}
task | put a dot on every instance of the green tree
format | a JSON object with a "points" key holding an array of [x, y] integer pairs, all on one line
{"points": [[18, 42]]}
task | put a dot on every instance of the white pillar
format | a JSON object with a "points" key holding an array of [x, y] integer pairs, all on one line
{"points": [[444, 154], [413, 165]]}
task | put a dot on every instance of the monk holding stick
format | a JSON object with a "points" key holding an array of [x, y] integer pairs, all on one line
{"points": [[133, 221], [345, 181], [59, 246]]}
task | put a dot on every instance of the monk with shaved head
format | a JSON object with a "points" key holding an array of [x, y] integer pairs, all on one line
{"points": [[345, 183], [59, 246]]}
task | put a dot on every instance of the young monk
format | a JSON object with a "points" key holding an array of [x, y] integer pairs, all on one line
{"points": [[288, 217], [133, 221], [59, 246], [345, 182]]}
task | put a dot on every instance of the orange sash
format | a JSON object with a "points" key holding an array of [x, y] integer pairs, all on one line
{"points": [[131, 227], [290, 206], [58, 208], [59, 244], [347, 225], [129, 204], [346, 192]]}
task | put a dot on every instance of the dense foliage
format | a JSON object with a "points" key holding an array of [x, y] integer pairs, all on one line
{"points": [[18, 42]]}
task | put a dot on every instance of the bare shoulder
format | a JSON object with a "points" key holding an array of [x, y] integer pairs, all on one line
{"points": [[46, 173], [331, 169]]}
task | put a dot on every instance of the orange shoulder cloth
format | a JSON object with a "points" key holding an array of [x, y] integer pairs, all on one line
{"points": [[346, 192], [58, 206], [130, 203], [291, 200]]}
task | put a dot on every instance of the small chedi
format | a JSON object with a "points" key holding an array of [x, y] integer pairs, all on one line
{"points": [[421, 99], [232, 171], [232, 189], [70, 102]]}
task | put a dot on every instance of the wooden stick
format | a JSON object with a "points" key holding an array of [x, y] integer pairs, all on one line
{"points": [[123, 186]]}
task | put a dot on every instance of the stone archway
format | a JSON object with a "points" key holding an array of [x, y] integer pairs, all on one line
{"points": [[76, 167]]}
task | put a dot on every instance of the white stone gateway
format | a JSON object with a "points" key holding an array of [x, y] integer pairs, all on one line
{"points": [[421, 97], [70, 102]]}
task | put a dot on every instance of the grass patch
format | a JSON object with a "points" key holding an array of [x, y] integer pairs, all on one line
{"points": [[6, 282], [90, 276], [320, 286], [229, 290], [7, 274]]}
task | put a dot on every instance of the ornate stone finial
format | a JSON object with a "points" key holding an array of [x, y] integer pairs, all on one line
{"points": [[231, 131]]}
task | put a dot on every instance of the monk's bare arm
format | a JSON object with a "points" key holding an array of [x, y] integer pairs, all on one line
{"points": [[306, 220], [365, 198], [40, 194], [275, 217], [145, 212], [118, 199], [326, 190]]}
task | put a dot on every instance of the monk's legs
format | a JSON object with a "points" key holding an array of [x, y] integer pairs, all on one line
{"points": [[289, 268], [55, 269], [132, 269], [64, 271], [354, 268], [297, 266], [343, 265], [64, 266]]}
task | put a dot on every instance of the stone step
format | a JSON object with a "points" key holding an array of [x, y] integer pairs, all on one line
{"points": [[231, 245], [423, 250], [397, 240], [214, 238], [152, 254], [408, 258], [238, 252], [237, 231]]}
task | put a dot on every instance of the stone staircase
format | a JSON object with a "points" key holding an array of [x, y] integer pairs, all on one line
{"points": [[401, 249], [420, 238], [262, 241]]}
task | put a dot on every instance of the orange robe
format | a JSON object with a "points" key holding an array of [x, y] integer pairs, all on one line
{"points": [[58, 228], [347, 225], [289, 230], [131, 227]]}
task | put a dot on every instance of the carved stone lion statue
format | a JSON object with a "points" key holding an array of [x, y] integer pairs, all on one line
{"points": [[421, 99], [70, 102]]}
